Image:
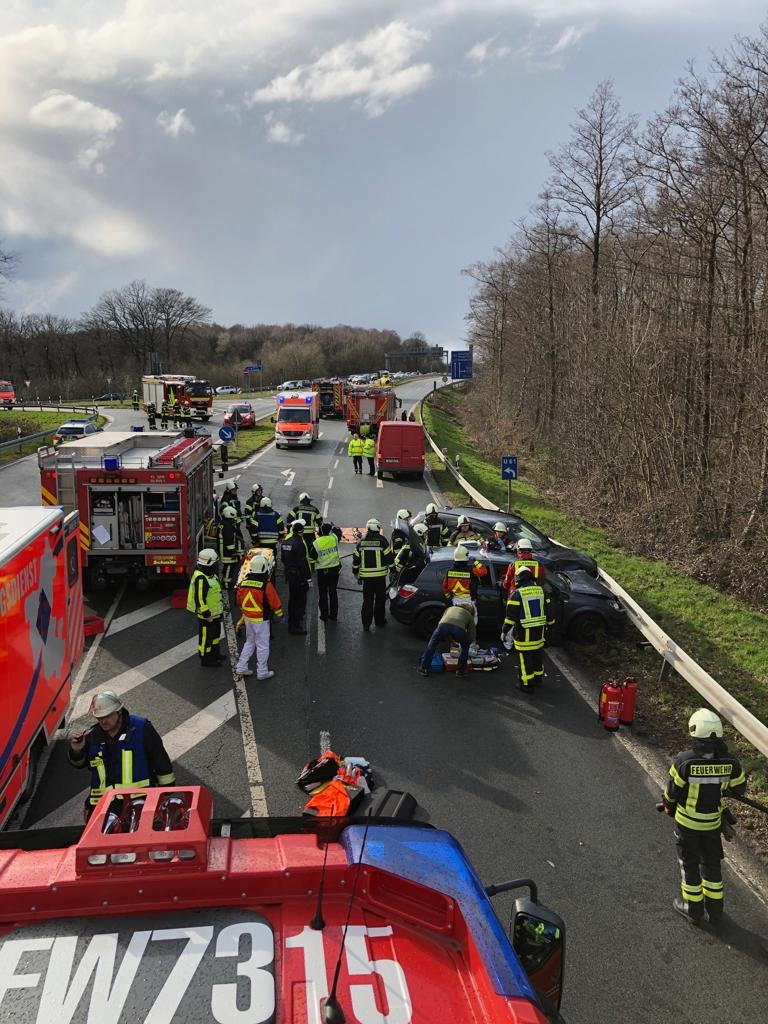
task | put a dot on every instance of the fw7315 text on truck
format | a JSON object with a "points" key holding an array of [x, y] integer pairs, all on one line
{"points": [[41, 638], [143, 500]]}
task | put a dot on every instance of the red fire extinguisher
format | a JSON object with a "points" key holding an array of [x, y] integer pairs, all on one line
{"points": [[628, 701], [609, 708]]}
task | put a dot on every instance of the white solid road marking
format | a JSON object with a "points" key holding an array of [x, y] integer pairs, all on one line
{"points": [[330, 483], [133, 677], [379, 483], [194, 730], [325, 740], [320, 634], [140, 615], [258, 797]]}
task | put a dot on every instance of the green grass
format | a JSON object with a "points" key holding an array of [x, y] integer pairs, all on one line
{"points": [[250, 441], [723, 635], [31, 423]]}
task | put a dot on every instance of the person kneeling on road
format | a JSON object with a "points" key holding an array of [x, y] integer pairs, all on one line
{"points": [[205, 602], [259, 602], [457, 623], [122, 751]]}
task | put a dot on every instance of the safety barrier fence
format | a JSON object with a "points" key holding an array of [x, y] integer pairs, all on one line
{"points": [[18, 441], [48, 405], [750, 727]]}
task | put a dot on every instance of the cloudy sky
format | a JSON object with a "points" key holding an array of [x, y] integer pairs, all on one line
{"points": [[322, 161]]}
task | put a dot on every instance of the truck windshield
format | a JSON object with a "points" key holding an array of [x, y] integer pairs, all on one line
{"points": [[198, 389], [293, 415]]}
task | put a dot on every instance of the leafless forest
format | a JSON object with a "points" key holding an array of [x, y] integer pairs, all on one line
{"points": [[621, 333]]}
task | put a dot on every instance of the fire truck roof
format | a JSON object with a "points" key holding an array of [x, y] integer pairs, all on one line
{"points": [[19, 525], [135, 450]]}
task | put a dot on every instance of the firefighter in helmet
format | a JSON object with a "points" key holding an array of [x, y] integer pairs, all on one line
{"points": [[500, 540], [464, 531], [528, 616], [698, 812], [135, 400], [460, 582], [406, 556], [230, 545], [438, 534], [371, 562], [400, 532], [525, 559], [205, 602], [259, 602], [251, 510], [122, 750], [309, 512]]}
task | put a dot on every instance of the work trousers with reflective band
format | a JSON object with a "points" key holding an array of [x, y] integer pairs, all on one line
{"points": [[256, 639], [531, 666], [700, 855], [208, 636]]}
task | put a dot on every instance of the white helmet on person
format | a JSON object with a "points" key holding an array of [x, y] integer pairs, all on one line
{"points": [[258, 564], [265, 503], [431, 509], [463, 521], [420, 529], [229, 512], [403, 513], [304, 496], [461, 554], [298, 524], [105, 704], [524, 545], [207, 557], [373, 524], [705, 725], [499, 528], [524, 575], [255, 488]]}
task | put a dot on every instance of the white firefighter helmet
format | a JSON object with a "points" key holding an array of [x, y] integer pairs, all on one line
{"points": [[403, 513], [265, 503], [298, 523], [373, 524], [258, 564], [463, 521], [704, 724], [230, 485], [524, 545], [229, 512], [499, 528], [255, 488], [304, 496], [523, 574], [461, 554], [431, 509], [104, 704], [207, 557], [420, 529]]}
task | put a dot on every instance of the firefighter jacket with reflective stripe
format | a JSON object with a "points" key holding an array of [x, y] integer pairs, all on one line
{"points": [[327, 551], [269, 526], [459, 582], [251, 508], [310, 515], [369, 447], [204, 595], [698, 780], [296, 558], [528, 615], [373, 556], [405, 556], [229, 541], [537, 569], [258, 600], [355, 446], [135, 757], [437, 534], [399, 537]]}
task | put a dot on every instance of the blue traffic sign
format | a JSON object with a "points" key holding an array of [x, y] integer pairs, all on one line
{"points": [[461, 365], [509, 467], [253, 368], [227, 434]]}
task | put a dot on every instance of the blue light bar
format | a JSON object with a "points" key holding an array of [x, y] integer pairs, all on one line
{"points": [[436, 860], [308, 399], [281, 398]]}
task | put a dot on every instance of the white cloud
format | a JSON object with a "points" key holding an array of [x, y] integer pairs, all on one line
{"points": [[375, 70], [42, 296], [279, 132], [485, 50], [569, 38], [541, 52], [66, 113], [175, 124]]}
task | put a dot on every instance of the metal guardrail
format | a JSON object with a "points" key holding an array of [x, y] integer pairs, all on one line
{"points": [[17, 442], [50, 406], [750, 727]]}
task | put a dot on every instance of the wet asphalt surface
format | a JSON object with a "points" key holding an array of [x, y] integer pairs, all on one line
{"points": [[530, 784]]}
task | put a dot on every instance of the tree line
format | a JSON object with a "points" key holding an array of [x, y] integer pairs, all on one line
{"points": [[140, 329], [621, 330]]}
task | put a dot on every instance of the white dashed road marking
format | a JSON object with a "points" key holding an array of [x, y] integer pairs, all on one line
{"points": [[140, 615]]}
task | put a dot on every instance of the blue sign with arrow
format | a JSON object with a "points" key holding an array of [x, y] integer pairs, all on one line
{"points": [[226, 434], [461, 365], [509, 467]]}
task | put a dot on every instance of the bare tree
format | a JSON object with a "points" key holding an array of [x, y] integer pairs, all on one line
{"points": [[176, 314]]}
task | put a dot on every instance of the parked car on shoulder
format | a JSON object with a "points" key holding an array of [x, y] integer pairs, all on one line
{"points": [[552, 556], [72, 429], [228, 389], [240, 415], [111, 396], [582, 606]]}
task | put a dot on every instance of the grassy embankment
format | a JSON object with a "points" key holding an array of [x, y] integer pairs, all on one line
{"points": [[250, 441], [31, 423], [724, 636]]}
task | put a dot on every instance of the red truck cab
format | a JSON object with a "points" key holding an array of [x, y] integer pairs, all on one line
{"points": [[400, 449]]}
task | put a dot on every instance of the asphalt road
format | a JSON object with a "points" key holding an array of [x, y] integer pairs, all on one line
{"points": [[529, 783]]}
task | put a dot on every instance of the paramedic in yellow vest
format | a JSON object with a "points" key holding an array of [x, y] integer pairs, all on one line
{"points": [[327, 569], [259, 602], [122, 751], [205, 603], [355, 451], [369, 452], [528, 615]]}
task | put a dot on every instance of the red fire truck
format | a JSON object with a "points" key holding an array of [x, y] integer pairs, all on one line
{"points": [[158, 911], [181, 387], [41, 638], [333, 395], [7, 394], [370, 405], [143, 499]]}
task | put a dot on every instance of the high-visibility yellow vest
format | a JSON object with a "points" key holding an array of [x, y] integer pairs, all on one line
{"points": [[327, 548], [355, 446], [197, 603], [369, 448]]}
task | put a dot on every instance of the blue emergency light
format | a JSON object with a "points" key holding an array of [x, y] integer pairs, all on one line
{"points": [[111, 462], [308, 399], [281, 399]]}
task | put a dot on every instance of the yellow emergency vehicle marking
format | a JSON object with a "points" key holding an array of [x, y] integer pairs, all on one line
{"points": [[85, 536], [48, 498]]}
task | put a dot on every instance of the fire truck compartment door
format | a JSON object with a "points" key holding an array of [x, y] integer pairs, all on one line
{"points": [[367, 409], [104, 520]]}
